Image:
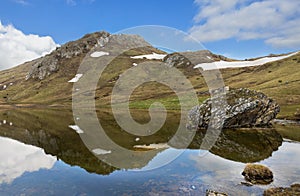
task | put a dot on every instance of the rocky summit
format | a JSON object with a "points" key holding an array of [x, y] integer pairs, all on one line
{"points": [[236, 108], [50, 63]]}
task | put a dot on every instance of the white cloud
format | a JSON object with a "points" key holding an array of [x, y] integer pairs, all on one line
{"points": [[17, 48], [23, 2], [276, 22], [74, 2], [18, 158], [71, 2]]}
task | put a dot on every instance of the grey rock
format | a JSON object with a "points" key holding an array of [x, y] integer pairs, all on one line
{"points": [[234, 109], [188, 59], [103, 40], [175, 59]]}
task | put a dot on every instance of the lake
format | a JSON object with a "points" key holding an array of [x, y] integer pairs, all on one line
{"points": [[44, 152]]}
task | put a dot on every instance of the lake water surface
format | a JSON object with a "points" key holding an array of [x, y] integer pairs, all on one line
{"points": [[42, 154]]}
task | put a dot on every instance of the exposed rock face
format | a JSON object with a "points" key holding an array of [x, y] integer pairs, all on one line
{"points": [[190, 59], [234, 109], [49, 64], [176, 60], [280, 191], [257, 174]]}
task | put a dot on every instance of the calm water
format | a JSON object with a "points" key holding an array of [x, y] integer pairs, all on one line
{"points": [[42, 155]]}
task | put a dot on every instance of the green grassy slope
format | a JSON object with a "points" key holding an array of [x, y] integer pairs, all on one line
{"points": [[279, 80]]}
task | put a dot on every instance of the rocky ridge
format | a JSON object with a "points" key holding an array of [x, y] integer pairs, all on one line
{"points": [[51, 63]]}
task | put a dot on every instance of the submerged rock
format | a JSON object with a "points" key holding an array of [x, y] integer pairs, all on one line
{"points": [[280, 191], [234, 109], [247, 183], [214, 193], [257, 174]]}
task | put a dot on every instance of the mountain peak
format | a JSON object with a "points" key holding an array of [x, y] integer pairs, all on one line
{"points": [[50, 63]]}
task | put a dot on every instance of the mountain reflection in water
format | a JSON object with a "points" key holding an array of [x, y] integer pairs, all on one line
{"points": [[49, 130]]}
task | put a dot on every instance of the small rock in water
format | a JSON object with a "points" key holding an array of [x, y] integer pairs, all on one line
{"points": [[214, 193], [280, 191], [137, 139], [257, 174], [247, 183]]}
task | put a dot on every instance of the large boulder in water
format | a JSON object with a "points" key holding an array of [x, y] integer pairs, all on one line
{"points": [[258, 174], [234, 109]]}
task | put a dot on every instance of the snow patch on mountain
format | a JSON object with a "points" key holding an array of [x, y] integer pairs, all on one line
{"points": [[76, 78], [236, 64], [99, 54], [150, 56], [76, 128]]}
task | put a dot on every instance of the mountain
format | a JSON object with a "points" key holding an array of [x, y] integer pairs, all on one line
{"points": [[45, 80], [49, 80]]}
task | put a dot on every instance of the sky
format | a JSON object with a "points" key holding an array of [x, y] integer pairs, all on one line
{"points": [[234, 28]]}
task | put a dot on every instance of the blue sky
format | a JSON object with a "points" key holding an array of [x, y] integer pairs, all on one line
{"points": [[68, 21], [235, 28]]}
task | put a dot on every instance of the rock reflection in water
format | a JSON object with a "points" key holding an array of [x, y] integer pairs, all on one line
{"points": [[243, 145]]}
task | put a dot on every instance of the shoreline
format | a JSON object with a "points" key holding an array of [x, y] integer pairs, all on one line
{"points": [[281, 120]]}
